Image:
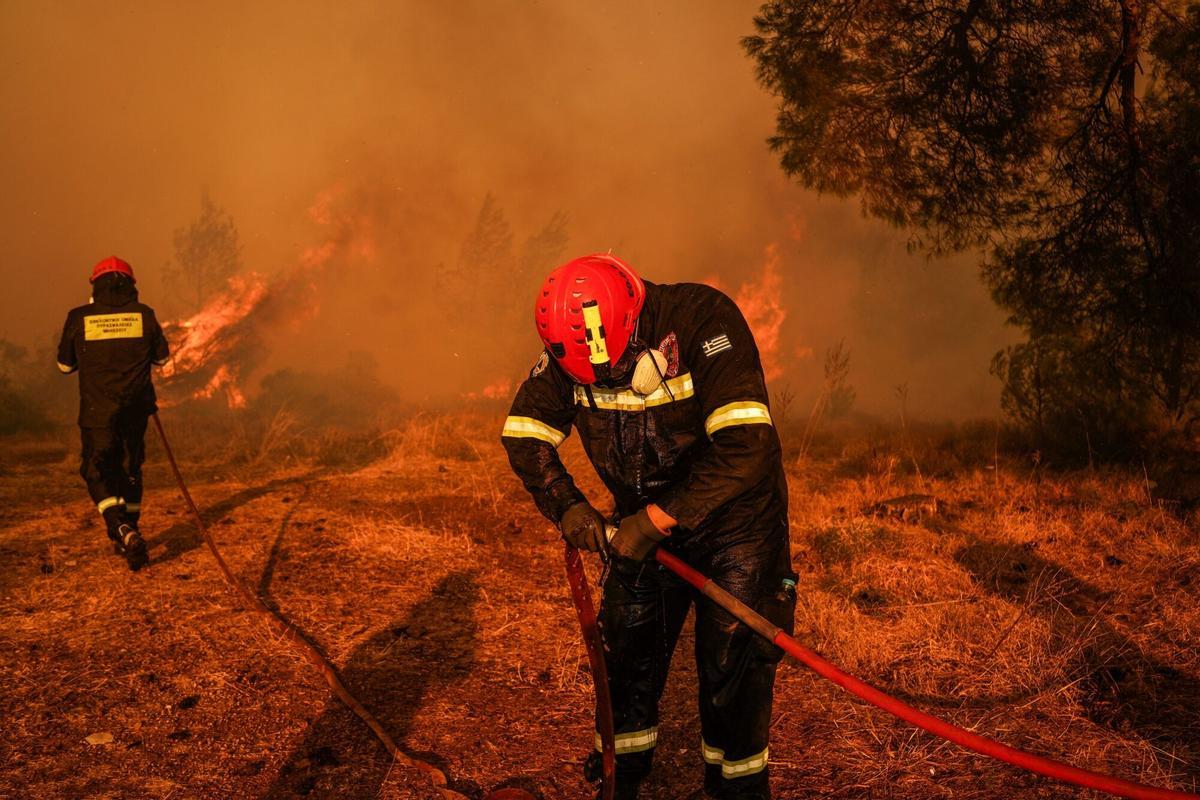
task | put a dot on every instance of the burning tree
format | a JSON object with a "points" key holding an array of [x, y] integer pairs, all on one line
{"points": [[1024, 129], [207, 254]]}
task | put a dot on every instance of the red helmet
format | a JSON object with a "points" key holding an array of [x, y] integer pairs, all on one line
{"points": [[586, 312], [112, 264]]}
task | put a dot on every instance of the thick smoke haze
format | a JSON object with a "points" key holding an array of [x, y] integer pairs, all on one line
{"points": [[364, 138]]}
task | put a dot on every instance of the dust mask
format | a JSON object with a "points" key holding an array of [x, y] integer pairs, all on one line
{"points": [[648, 372]]}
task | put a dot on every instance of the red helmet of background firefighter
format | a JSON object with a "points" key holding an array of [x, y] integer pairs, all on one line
{"points": [[112, 342], [665, 386]]}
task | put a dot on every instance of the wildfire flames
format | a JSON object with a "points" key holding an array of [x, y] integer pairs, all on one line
{"points": [[214, 350], [210, 345], [500, 389], [760, 303]]}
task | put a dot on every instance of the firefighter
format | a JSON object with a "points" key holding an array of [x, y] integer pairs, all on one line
{"points": [[112, 342], [665, 386]]}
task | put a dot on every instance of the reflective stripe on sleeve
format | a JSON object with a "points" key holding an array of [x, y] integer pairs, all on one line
{"points": [[632, 742], [744, 412], [530, 428], [65, 369], [162, 363], [734, 769], [107, 503]]}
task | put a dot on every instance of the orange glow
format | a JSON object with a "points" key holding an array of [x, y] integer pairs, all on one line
{"points": [[499, 389], [760, 302]]}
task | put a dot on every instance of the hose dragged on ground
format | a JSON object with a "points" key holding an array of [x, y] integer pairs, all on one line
{"points": [[292, 635], [972, 741]]}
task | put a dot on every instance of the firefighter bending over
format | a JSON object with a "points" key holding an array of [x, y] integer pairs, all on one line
{"points": [[112, 342], [665, 386]]}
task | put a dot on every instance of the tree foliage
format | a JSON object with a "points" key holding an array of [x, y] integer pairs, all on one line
{"points": [[488, 293], [1062, 137], [207, 252]]}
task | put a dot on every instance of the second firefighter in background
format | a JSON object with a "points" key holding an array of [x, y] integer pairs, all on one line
{"points": [[665, 386]]}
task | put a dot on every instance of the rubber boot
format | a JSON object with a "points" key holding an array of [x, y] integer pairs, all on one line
{"points": [[593, 772], [113, 520], [136, 554], [623, 790]]}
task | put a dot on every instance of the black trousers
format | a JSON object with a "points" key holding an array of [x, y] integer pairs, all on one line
{"points": [[641, 614], [111, 465]]}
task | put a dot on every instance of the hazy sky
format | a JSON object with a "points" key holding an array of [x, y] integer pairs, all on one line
{"points": [[643, 122]]}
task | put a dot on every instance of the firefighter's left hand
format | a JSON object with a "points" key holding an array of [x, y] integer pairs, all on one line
{"points": [[636, 537]]}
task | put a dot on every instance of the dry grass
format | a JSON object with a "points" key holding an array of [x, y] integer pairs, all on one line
{"points": [[1057, 612]]}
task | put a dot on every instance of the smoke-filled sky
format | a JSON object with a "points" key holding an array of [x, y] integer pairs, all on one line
{"points": [[642, 122]]}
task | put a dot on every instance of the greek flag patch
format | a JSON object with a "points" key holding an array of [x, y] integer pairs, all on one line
{"points": [[717, 344]]}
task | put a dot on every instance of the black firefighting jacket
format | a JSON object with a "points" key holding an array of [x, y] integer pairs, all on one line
{"points": [[702, 446], [112, 342]]}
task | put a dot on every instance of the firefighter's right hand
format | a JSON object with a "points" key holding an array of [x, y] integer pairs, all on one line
{"points": [[583, 527]]}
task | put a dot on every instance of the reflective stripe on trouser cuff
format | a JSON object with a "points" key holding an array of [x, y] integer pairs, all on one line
{"points": [[133, 507], [632, 742], [530, 428], [750, 765], [107, 503], [744, 412], [65, 369]]}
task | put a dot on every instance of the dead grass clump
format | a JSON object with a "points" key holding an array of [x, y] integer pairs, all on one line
{"points": [[393, 539], [847, 541]]}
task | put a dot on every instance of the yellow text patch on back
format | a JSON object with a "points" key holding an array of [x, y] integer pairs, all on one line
{"points": [[112, 326]]}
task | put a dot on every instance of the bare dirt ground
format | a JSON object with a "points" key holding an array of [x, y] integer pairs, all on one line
{"points": [[1058, 613]]}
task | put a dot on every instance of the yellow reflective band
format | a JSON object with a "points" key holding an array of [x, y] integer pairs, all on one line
{"points": [[595, 333], [679, 388], [133, 507], [746, 766], [107, 503], [633, 742], [740, 413], [112, 326], [530, 428], [64, 369], [734, 769]]}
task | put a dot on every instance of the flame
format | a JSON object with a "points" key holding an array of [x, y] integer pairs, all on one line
{"points": [[499, 389], [224, 380], [203, 337], [761, 305], [215, 348]]}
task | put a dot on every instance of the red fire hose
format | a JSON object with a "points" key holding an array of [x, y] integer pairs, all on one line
{"points": [[582, 598], [292, 635], [980, 744]]}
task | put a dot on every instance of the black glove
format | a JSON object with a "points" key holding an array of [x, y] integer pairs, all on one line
{"points": [[583, 527], [636, 537]]}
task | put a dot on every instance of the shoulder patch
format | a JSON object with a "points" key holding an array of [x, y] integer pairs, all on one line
{"points": [[540, 367], [717, 344], [669, 347]]}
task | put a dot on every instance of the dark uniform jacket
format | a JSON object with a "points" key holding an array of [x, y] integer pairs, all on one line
{"points": [[113, 342], [702, 446]]}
